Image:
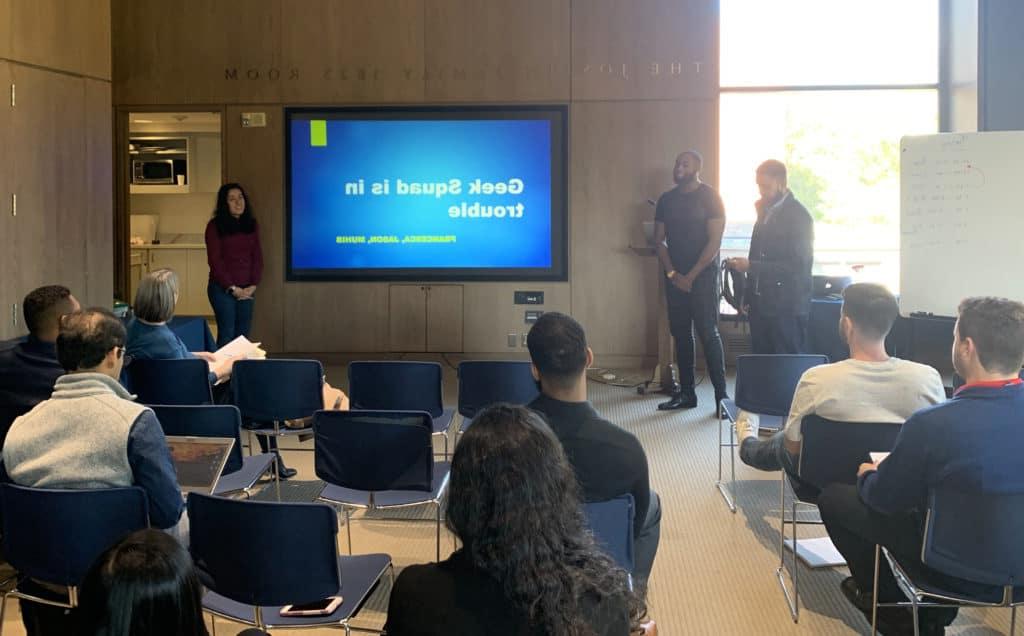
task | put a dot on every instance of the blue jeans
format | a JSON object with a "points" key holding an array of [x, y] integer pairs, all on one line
{"points": [[234, 317]]}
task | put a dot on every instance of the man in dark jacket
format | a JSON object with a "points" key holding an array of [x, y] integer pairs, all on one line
{"points": [[29, 369], [779, 268]]}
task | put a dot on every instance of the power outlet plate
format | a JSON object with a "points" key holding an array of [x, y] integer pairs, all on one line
{"points": [[512, 340], [522, 342]]}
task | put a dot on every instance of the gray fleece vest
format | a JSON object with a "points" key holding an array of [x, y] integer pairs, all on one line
{"points": [[76, 439]]}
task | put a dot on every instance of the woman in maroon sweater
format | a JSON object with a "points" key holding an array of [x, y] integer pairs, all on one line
{"points": [[236, 263]]}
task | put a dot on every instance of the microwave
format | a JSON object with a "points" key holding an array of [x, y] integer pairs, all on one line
{"points": [[153, 171]]}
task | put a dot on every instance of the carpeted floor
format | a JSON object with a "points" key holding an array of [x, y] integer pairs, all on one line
{"points": [[715, 571]]}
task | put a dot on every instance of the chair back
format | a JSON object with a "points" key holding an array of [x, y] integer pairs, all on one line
{"points": [[831, 451], [299, 561], [396, 386], [204, 421], [277, 390], [612, 524], [485, 382], [185, 381], [374, 450], [975, 536], [56, 535], [765, 383]]}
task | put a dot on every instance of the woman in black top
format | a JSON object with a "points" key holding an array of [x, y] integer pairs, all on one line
{"points": [[528, 564]]}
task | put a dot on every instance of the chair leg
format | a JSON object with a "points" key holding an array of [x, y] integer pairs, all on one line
{"points": [[874, 593], [438, 544], [1013, 620], [213, 625], [917, 619], [793, 602], [796, 569], [3, 611], [348, 528], [727, 494]]}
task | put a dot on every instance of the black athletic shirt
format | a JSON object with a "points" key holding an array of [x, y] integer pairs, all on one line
{"points": [[686, 215]]}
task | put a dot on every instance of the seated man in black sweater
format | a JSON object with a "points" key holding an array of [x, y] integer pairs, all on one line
{"points": [[608, 460], [29, 367]]}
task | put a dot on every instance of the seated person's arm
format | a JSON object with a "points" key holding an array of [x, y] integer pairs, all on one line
{"points": [[153, 470], [900, 483], [803, 405]]}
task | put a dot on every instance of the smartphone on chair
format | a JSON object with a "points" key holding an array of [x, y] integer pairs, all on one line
{"points": [[323, 607]]}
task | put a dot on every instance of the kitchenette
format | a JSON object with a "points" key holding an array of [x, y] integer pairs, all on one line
{"points": [[175, 162]]}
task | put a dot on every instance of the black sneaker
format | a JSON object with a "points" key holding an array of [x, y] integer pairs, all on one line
{"points": [[892, 621]]}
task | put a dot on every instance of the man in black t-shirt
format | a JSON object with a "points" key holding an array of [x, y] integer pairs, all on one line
{"points": [[688, 227], [609, 461]]}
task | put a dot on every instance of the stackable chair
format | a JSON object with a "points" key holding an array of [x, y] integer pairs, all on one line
{"points": [[764, 385], [969, 536], [611, 522], [830, 453], [240, 473], [185, 381], [54, 536], [301, 566], [485, 382], [268, 392], [379, 460], [400, 386]]}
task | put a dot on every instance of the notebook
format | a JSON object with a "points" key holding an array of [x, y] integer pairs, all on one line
{"points": [[199, 461]]}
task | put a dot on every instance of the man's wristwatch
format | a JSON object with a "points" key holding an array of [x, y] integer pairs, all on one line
{"points": [[670, 274]]}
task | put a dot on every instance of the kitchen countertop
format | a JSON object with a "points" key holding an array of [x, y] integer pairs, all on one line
{"points": [[164, 246]]}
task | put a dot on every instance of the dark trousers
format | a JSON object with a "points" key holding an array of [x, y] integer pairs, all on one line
{"points": [[769, 454], [777, 334], [697, 309], [234, 317], [47, 620], [855, 529], [645, 544]]}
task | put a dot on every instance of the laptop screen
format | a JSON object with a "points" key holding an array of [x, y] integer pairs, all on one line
{"points": [[199, 460]]}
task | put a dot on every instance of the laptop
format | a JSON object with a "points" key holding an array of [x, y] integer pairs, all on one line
{"points": [[199, 461]]}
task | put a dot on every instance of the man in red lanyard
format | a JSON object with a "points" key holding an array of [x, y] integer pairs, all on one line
{"points": [[974, 441]]}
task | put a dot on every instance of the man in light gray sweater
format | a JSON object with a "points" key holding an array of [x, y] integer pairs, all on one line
{"points": [[870, 386], [90, 433]]}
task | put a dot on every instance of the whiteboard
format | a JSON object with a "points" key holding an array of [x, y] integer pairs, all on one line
{"points": [[961, 219]]}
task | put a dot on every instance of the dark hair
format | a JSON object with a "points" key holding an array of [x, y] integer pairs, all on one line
{"points": [[773, 168], [86, 337], [144, 585], [227, 224], [558, 348], [515, 504], [871, 307], [696, 156], [43, 306], [996, 325]]}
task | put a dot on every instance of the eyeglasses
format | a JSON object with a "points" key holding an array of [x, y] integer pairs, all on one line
{"points": [[124, 355]]}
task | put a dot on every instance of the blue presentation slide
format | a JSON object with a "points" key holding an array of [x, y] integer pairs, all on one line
{"points": [[411, 194]]}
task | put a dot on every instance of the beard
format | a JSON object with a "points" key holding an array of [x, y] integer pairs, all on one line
{"points": [[685, 179]]}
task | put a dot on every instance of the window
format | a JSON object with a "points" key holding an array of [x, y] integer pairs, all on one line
{"points": [[828, 88]]}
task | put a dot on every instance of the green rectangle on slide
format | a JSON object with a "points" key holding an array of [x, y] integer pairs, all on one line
{"points": [[318, 132]]}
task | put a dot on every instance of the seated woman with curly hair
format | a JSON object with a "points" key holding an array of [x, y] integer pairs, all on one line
{"points": [[528, 564]]}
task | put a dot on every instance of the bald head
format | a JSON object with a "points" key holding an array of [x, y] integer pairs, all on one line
{"points": [[91, 340]]}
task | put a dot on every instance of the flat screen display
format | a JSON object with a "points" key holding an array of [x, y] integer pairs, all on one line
{"points": [[446, 193]]}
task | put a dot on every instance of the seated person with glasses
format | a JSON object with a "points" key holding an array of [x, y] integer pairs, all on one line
{"points": [[869, 386], [149, 337], [90, 433], [29, 368]]}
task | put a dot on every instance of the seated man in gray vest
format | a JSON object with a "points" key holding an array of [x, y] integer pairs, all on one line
{"points": [[90, 434]]}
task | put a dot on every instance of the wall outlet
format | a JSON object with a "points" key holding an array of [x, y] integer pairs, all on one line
{"points": [[523, 341], [254, 120], [512, 340]]}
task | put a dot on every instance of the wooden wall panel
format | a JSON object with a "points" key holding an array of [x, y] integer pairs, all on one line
{"points": [[336, 317], [98, 231], [5, 32], [10, 292], [254, 158], [353, 51], [623, 153], [66, 35], [499, 50], [197, 52], [644, 49], [491, 313]]}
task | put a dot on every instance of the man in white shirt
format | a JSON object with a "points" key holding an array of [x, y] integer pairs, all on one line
{"points": [[870, 386]]}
